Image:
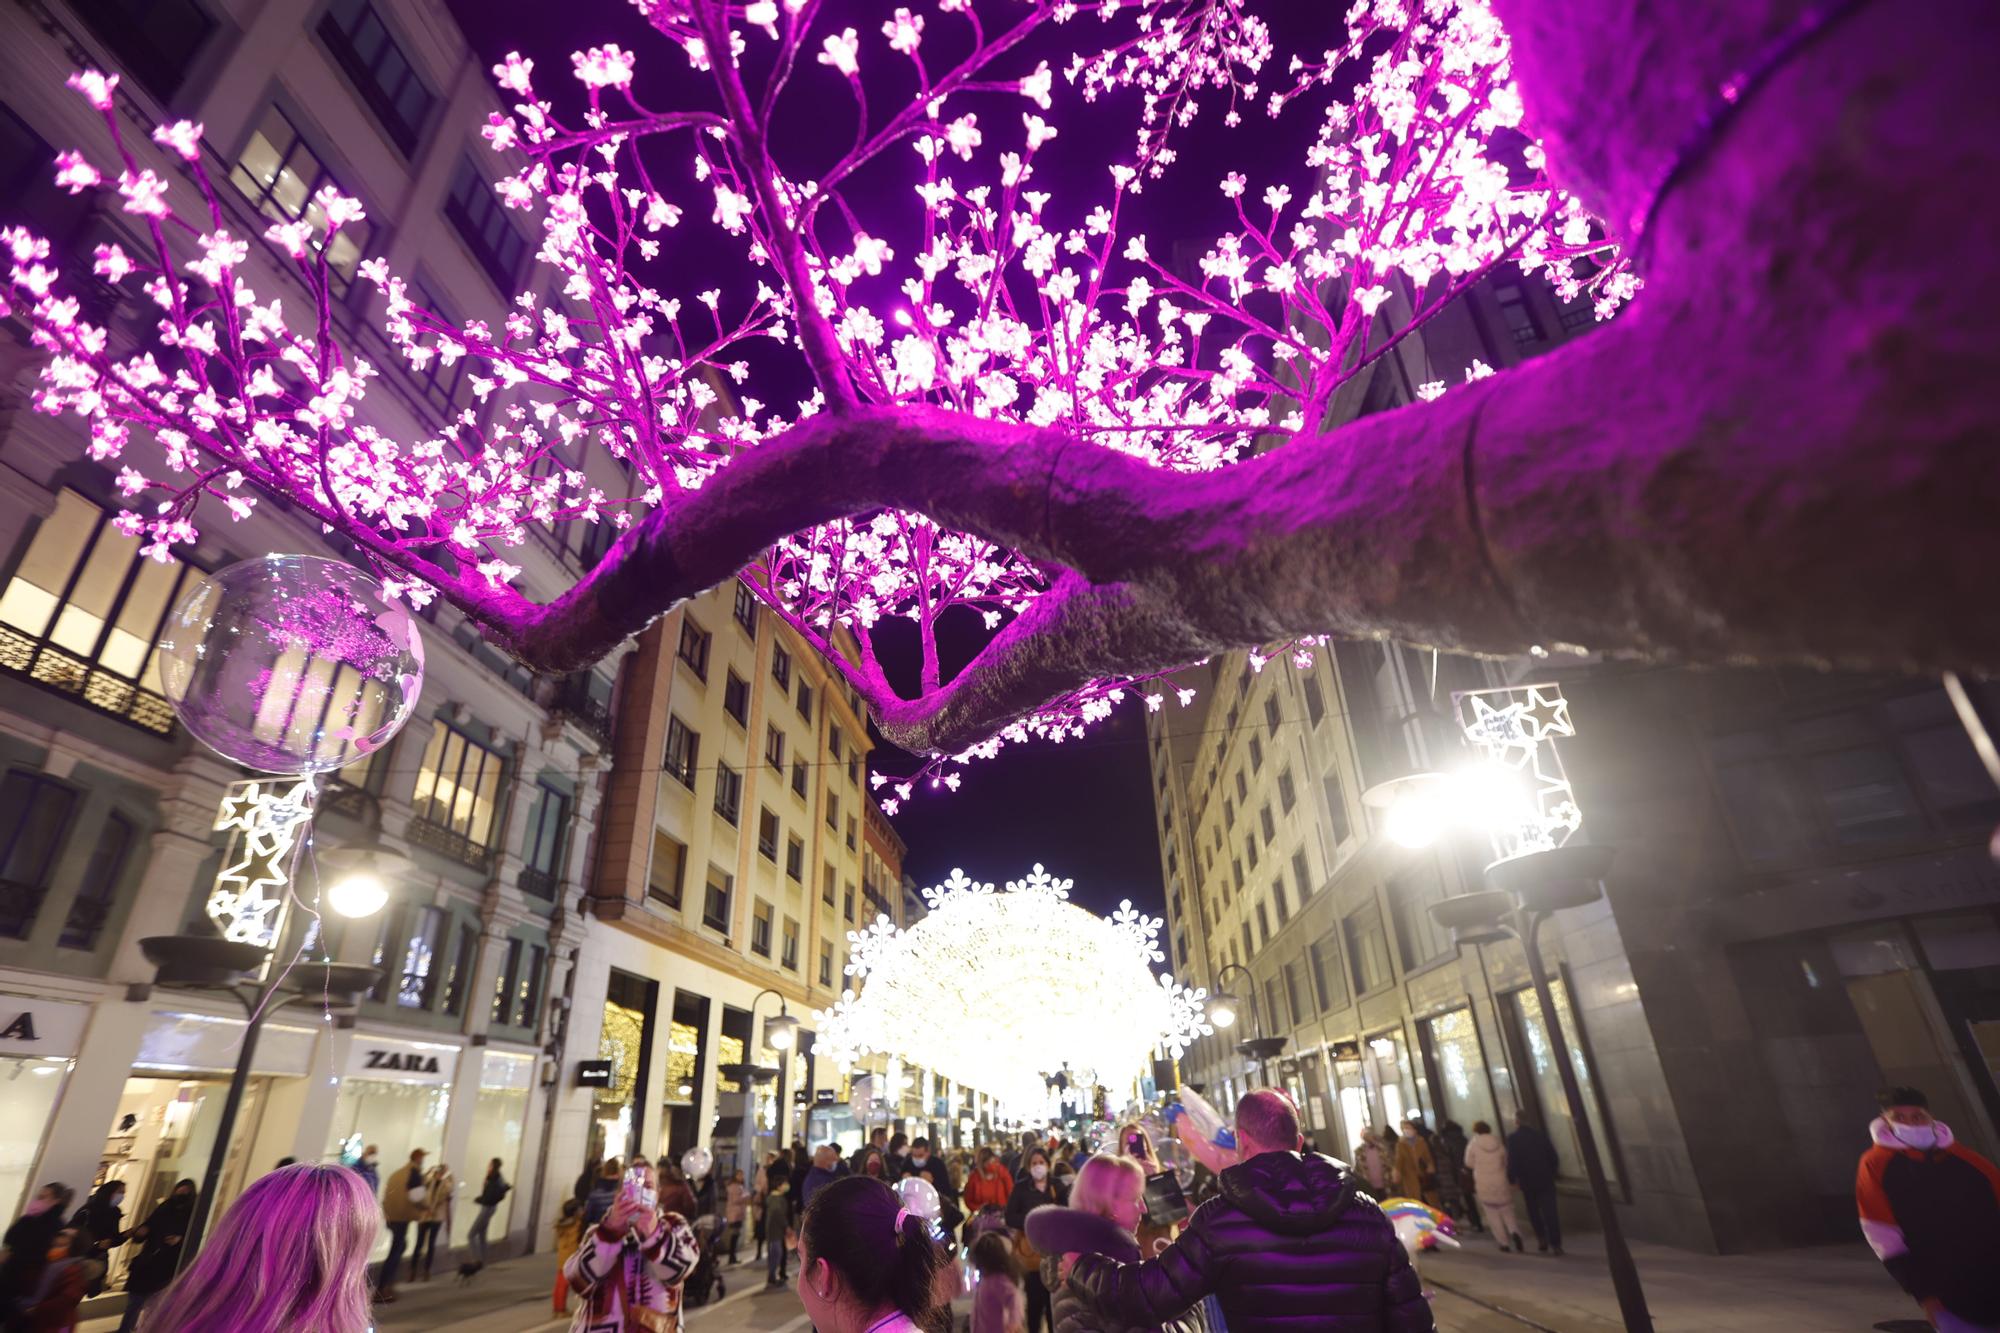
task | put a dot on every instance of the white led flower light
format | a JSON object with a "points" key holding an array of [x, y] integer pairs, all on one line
{"points": [[999, 990]]}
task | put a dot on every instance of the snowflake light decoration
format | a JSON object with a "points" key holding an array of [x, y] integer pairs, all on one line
{"points": [[263, 819], [998, 990], [1517, 728]]}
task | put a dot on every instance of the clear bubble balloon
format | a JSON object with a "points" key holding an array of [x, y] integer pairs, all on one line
{"points": [[291, 664], [920, 1197], [695, 1163], [1102, 1137]]}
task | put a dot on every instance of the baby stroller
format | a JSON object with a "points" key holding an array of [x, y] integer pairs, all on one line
{"points": [[704, 1282]]}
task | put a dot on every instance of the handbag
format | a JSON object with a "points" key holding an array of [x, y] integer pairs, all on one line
{"points": [[1030, 1258], [638, 1319]]}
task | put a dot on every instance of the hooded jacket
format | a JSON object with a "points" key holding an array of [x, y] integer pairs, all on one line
{"points": [[1932, 1216], [1486, 1159], [1056, 1231], [1290, 1244]]}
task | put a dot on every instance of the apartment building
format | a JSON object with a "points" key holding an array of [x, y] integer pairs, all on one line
{"points": [[107, 821]]}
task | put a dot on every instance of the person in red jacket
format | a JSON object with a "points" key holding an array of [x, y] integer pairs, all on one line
{"points": [[1930, 1208], [987, 1183]]}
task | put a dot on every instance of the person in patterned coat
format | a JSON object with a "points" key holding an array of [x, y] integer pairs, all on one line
{"points": [[629, 1267]]}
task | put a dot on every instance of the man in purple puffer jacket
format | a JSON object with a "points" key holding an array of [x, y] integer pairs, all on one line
{"points": [[1289, 1245]]}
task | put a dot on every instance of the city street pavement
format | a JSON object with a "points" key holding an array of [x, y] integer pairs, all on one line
{"points": [[1835, 1289]]}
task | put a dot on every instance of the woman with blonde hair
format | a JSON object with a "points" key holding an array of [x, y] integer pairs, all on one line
{"points": [[290, 1256], [1106, 1206]]}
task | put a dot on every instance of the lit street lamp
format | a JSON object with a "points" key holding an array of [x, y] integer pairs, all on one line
{"points": [[781, 1033], [1222, 1011], [250, 907]]}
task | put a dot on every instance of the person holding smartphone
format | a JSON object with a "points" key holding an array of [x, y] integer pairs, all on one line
{"points": [[629, 1268]]}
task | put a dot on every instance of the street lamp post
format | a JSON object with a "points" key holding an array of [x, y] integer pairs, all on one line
{"points": [[1222, 1012], [1527, 888], [781, 1033]]}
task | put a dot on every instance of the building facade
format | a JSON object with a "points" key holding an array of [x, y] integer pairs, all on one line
{"points": [[109, 812]]}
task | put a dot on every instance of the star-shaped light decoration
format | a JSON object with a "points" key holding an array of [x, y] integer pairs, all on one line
{"points": [[263, 818], [1517, 728]]}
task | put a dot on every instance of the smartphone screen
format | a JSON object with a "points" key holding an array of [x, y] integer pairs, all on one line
{"points": [[1166, 1204]]}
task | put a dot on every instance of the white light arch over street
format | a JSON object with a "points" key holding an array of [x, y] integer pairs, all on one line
{"points": [[997, 990]]}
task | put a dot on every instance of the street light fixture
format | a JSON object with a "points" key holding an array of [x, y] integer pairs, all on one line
{"points": [[1222, 1009], [781, 1034], [1222, 1012]]}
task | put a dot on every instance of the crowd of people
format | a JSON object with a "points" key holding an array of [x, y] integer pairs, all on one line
{"points": [[1472, 1180]]}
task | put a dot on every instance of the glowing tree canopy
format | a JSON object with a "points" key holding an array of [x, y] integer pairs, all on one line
{"points": [[1000, 990], [1021, 412]]}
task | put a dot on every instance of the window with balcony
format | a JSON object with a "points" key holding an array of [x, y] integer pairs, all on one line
{"points": [[795, 859], [668, 870], [82, 613], [745, 608], [419, 974], [542, 850], [156, 41], [457, 796], [789, 959], [774, 748], [760, 930], [379, 70], [475, 211], [35, 811], [728, 793], [781, 668], [715, 900], [736, 698], [683, 752], [280, 173], [693, 648], [89, 910]]}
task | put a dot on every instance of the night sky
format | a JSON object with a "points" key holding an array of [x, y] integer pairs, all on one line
{"points": [[1082, 808]]}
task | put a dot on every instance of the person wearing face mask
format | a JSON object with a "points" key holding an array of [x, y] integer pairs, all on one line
{"points": [[1930, 1209], [931, 1166], [27, 1246], [1105, 1211], [67, 1273], [1033, 1190], [868, 1265], [159, 1238], [369, 1167], [102, 1221], [988, 1184], [630, 1267]]}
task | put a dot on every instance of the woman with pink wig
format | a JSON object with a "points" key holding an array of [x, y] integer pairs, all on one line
{"points": [[290, 1256]]}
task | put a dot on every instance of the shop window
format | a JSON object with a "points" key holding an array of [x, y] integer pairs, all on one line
{"points": [[715, 900], [683, 751], [1324, 960], [668, 871], [825, 963], [1336, 807], [482, 224], [795, 859], [457, 795], [790, 957], [379, 70], [728, 793], [767, 834], [798, 777], [694, 647], [760, 930], [1315, 701], [528, 989], [1546, 1079], [92, 904], [774, 748], [745, 609], [82, 613], [1288, 791], [1368, 950], [417, 985], [458, 978], [736, 698], [34, 816], [781, 668], [542, 851], [279, 173], [509, 978], [1464, 1094], [155, 40]]}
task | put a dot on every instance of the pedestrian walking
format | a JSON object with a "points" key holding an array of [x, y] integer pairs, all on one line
{"points": [[403, 1199], [925, 1163], [568, 1235], [1486, 1162], [27, 1243], [1531, 1164], [71, 1270], [778, 1219], [998, 1303], [1103, 1217], [159, 1238], [1416, 1165], [440, 1185], [867, 1265], [1033, 1190], [822, 1173], [368, 1168], [1448, 1147], [987, 1183], [735, 1204], [1375, 1164], [1930, 1209], [1290, 1243], [899, 1156], [603, 1191], [492, 1191], [102, 1222], [676, 1195], [289, 1256], [629, 1267]]}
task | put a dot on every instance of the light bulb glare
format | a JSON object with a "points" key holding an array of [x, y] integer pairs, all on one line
{"points": [[357, 894]]}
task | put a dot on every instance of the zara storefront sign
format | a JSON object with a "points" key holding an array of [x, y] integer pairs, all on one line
{"points": [[40, 1027], [401, 1061]]}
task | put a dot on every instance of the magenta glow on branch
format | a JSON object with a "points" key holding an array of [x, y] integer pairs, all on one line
{"points": [[1011, 306]]}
